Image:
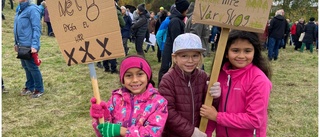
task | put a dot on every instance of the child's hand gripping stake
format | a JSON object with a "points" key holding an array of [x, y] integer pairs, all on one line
{"points": [[95, 87]]}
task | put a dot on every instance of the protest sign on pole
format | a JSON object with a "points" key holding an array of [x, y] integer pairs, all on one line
{"points": [[87, 31], [246, 15]]}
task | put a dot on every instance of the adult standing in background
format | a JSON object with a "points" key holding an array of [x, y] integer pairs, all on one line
{"points": [[126, 30], [202, 30], [299, 30], [140, 28], [277, 29], [113, 62], [151, 29], [310, 35], [27, 32], [47, 21], [176, 27], [163, 15], [293, 31]]}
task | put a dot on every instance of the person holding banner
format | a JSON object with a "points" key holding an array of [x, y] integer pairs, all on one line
{"points": [[27, 32], [245, 89], [185, 87], [136, 109]]}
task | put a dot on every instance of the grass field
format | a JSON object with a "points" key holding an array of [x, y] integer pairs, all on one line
{"points": [[64, 108]]}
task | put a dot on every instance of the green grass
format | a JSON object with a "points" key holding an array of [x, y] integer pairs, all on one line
{"points": [[64, 108]]}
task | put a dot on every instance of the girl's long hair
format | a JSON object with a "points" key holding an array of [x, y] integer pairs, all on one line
{"points": [[258, 59]]}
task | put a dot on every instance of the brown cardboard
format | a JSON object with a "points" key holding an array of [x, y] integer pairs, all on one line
{"points": [[82, 26], [247, 15]]}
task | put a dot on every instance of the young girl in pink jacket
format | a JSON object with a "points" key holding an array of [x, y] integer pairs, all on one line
{"points": [[245, 88], [136, 109]]}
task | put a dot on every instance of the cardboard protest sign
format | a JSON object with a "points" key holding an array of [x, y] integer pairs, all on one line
{"points": [[247, 15], [86, 30]]}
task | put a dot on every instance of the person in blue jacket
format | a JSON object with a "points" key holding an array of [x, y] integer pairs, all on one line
{"points": [[27, 32]]}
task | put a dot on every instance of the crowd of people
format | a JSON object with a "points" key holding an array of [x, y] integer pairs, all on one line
{"points": [[281, 31]]}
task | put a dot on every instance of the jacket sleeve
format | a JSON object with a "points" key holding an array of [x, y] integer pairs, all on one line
{"points": [[141, 21], [156, 121], [257, 98], [122, 23], [174, 28], [270, 27], [107, 117], [159, 36], [36, 27], [175, 121]]}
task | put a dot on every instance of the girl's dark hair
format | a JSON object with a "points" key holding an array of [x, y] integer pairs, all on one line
{"points": [[258, 59], [151, 81]]}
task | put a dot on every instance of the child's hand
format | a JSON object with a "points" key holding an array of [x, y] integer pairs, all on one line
{"points": [[215, 90], [198, 133], [208, 112], [109, 129], [97, 110]]}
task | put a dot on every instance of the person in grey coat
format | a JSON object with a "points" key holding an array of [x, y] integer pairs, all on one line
{"points": [[202, 30]]}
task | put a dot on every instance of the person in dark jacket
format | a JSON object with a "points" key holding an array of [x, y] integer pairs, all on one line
{"points": [[277, 29], [310, 35], [175, 28], [140, 28], [3, 3], [126, 30], [162, 16], [299, 30], [185, 87], [113, 62]]}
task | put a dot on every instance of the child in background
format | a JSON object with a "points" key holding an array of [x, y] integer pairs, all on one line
{"points": [[185, 87], [245, 88], [136, 109]]}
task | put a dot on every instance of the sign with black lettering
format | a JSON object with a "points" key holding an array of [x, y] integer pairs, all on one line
{"points": [[86, 30], [247, 15]]}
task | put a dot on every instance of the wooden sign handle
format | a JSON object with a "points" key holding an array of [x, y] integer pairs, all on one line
{"points": [[95, 86], [215, 72]]}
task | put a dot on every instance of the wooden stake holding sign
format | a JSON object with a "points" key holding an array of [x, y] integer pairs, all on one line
{"points": [[214, 74], [84, 29], [243, 15]]}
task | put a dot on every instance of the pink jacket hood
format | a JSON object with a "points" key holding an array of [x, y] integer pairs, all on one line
{"points": [[243, 103]]}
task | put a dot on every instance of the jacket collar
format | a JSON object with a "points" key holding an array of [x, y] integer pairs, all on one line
{"points": [[176, 13], [235, 72]]}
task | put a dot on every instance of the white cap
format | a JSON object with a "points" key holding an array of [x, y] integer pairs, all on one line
{"points": [[187, 42]]}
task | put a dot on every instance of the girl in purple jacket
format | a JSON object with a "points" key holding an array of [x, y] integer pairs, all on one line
{"points": [[136, 109], [185, 87], [245, 88]]}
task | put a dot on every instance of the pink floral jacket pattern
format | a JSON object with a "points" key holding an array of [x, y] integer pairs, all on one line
{"points": [[143, 115]]}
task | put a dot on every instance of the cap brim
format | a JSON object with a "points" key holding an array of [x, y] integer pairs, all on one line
{"points": [[183, 50]]}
